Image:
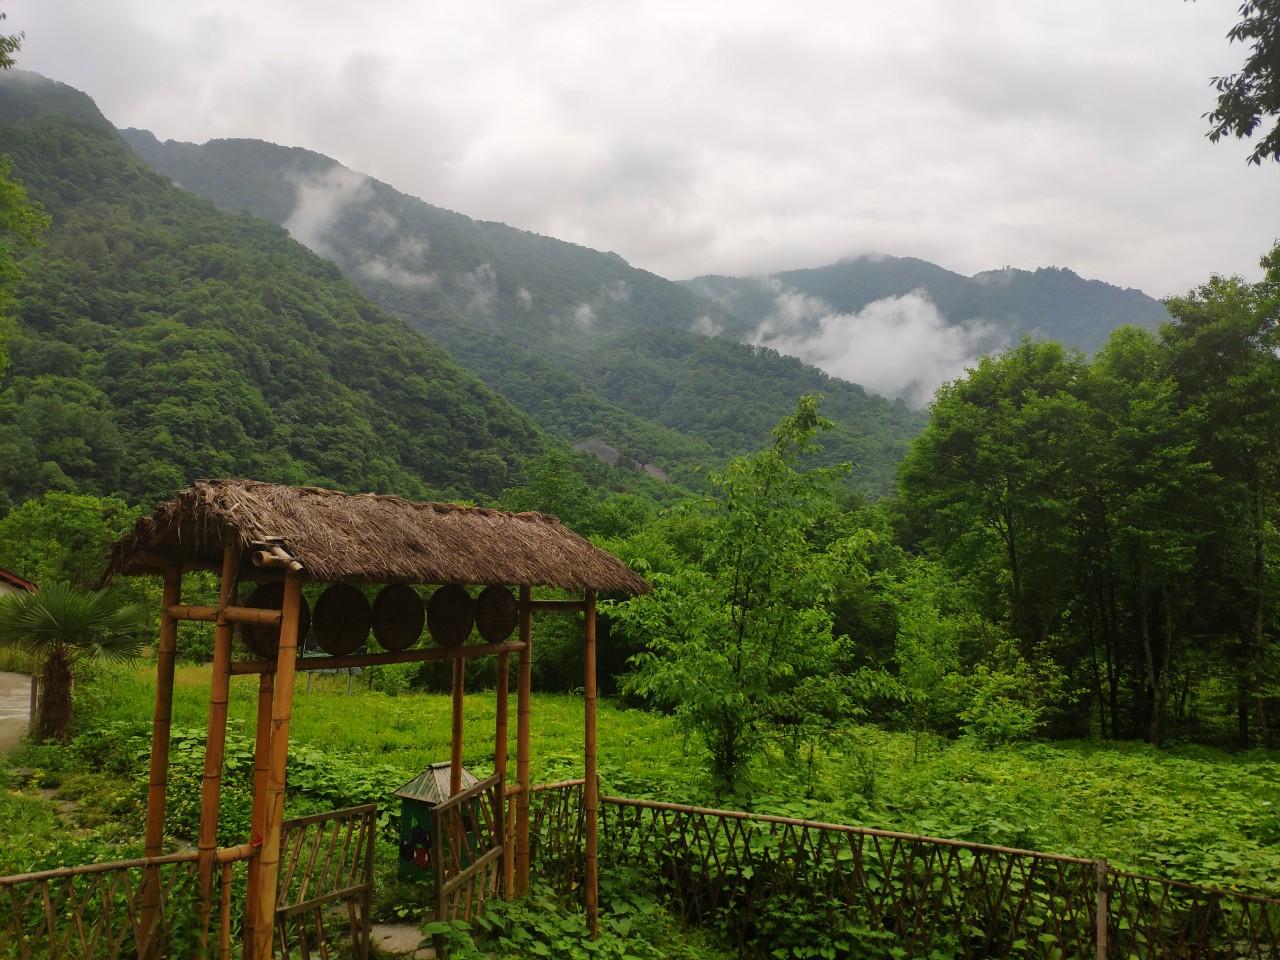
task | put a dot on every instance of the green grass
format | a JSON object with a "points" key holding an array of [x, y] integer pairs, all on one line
{"points": [[1192, 813]]}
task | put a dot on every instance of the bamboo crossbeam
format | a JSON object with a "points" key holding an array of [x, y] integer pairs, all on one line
{"points": [[466, 874], [232, 613], [243, 851], [464, 652], [554, 606]]}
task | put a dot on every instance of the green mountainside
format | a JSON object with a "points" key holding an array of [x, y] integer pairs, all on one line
{"points": [[1049, 303], [160, 339], [596, 351]]}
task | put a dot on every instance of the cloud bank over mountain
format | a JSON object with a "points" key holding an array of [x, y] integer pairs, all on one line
{"points": [[900, 347]]}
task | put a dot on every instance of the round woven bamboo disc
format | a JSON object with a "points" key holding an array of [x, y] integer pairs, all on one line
{"points": [[450, 615], [341, 620], [397, 617], [265, 640], [496, 613]]}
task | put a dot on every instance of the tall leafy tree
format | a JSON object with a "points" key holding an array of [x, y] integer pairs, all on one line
{"points": [[740, 642], [1225, 352]]}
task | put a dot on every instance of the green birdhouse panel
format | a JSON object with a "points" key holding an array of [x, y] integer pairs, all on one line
{"points": [[418, 798]]}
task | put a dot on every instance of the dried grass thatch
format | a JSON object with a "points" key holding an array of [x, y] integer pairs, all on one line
{"points": [[370, 539]]}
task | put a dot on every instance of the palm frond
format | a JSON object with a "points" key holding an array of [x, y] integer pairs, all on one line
{"points": [[89, 623]]}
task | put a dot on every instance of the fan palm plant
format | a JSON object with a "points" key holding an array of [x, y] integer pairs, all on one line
{"points": [[60, 627]]}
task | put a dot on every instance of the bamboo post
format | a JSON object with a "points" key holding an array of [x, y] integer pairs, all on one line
{"points": [[500, 768], [1101, 910], [158, 778], [216, 738], [523, 682], [455, 746], [591, 786], [257, 816], [273, 816]]}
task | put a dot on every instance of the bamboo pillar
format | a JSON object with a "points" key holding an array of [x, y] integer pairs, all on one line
{"points": [[591, 786], [523, 682], [264, 910], [455, 747], [1101, 917], [257, 817], [500, 764], [216, 738], [158, 779]]}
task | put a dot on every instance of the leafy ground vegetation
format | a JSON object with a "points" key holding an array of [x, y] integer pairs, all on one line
{"points": [[1194, 813]]}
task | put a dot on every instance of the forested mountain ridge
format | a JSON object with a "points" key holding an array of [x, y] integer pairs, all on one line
{"points": [[1050, 303], [159, 339], [593, 349]]}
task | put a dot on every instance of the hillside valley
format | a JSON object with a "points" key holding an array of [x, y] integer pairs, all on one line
{"points": [[606, 355], [159, 339]]}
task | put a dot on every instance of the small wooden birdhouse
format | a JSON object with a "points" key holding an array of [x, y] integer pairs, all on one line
{"points": [[418, 798]]}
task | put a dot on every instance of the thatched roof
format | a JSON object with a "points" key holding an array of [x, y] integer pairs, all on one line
{"points": [[368, 538]]}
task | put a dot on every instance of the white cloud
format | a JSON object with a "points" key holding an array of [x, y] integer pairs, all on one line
{"points": [[897, 347], [482, 285], [584, 315], [319, 200], [524, 298], [707, 326], [696, 138], [379, 268]]}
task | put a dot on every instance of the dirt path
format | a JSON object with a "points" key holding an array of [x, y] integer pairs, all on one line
{"points": [[15, 708]]}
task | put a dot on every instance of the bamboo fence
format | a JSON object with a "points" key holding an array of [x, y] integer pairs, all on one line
{"points": [[752, 874]]}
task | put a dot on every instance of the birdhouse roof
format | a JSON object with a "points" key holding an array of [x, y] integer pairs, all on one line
{"points": [[432, 784]]}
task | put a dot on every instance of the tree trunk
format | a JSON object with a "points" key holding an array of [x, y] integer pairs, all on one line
{"points": [[1153, 682], [1259, 621], [53, 718]]}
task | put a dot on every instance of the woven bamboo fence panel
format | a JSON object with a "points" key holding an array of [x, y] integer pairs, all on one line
{"points": [[326, 883], [924, 896], [469, 837], [149, 908], [1151, 917]]}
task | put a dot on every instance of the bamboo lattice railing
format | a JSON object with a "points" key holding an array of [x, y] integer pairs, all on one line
{"points": [[326, 882], [146, 908], [468, 842], [742, 871]]}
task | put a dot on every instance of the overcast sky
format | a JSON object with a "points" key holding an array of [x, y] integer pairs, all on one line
{"points": [[727, 137]]}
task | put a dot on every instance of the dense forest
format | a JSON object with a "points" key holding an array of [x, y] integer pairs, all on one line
{"points": [[159, 339]]}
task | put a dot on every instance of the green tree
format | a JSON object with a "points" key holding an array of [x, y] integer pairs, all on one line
{"points": [[739, 641], [1224, 353], [62, 627], [1251, 97]]}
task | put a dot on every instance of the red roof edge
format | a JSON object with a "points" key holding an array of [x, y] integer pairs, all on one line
{"points": [[8, 576]]}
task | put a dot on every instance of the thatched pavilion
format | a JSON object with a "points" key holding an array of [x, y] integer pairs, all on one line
{"points": [[268, 533]]}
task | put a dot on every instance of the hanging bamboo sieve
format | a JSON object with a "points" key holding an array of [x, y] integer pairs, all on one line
{"points": [[450, 615], [397, 617], [264, 640], [496, 613], [342, 619]]}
